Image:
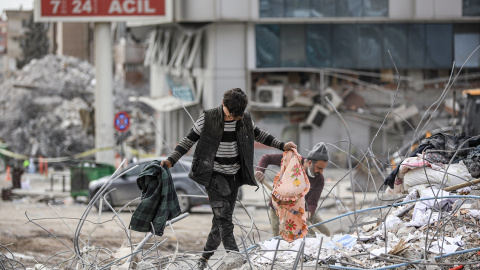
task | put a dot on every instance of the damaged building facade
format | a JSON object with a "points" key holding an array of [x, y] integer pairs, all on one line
{"points": [[290, 55]]}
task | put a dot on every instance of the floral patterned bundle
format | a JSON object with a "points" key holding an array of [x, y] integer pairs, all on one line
{"points": [[290, 186]]}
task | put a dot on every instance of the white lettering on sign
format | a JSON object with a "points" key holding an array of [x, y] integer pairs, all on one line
{"points": [[55, 4], [130, 6], [78, 6], [115, 7], [147, 7]]}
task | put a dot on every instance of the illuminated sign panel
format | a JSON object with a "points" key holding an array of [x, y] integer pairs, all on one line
{"points": [[101, 10]]}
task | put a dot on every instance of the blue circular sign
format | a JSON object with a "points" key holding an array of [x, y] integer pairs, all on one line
{"points": [[122, 121]]}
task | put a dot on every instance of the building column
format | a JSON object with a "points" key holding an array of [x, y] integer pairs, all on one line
{"points": [[103, 93]]}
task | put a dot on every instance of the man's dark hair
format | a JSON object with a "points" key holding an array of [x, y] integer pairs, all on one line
{"points": [[236, 101]]}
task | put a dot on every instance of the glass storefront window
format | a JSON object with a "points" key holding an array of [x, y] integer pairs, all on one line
{"points": [[292, 45], [271, 8], [466, 40], [395, 41], [375, 8], [349, 8], [297, 8], [344, 45], [471, 8], [268, 45], [438, 56], [324, 8], [365, 46], [318, 45], [465, 44], [416, 45], [370, 46]]}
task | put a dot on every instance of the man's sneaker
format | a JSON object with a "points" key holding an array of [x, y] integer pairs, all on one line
{"points": [[201, 264], [231, 261]]}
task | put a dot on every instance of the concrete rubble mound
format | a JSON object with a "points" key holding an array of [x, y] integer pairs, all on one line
{"points": [[47, 108], [430, 229]]}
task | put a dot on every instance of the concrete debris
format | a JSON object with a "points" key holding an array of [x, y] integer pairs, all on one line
{"points": [[231, 260], [146, 266], [433, 228], [42, 109]]}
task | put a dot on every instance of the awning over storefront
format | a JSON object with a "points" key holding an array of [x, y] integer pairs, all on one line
{"points": [[164, 103]]}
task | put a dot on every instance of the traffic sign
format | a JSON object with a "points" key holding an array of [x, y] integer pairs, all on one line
{"points": [[122, 121]]}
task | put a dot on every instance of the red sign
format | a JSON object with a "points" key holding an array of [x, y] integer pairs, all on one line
{"points": [[102, 8], [121, 121]]}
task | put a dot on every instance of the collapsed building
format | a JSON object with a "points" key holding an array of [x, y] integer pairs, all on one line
{"points": [[47, 109]]}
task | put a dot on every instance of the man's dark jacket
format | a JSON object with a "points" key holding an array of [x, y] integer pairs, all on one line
{"points": [[207, 146]]}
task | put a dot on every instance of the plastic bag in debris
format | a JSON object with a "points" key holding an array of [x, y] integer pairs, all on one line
{"points": [[287, 252], [376, 252], [267, 257], [474, 213], [392, 222], [311, 246], [422, 213], [457, 240], [341, 241], [446, 245]]}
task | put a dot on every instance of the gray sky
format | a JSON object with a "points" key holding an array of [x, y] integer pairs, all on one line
{"points": [[15, 4]]}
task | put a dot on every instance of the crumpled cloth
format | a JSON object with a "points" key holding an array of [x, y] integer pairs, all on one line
{"points": [[422, 211], [412, 163], [440, 141], [290, 186], [419, 170], [407, 164]]}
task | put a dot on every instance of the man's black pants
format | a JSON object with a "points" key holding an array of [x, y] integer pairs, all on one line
{"points": [[222, 193]]}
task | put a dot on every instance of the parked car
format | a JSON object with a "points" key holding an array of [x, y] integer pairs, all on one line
{"points": [[126, 188]]}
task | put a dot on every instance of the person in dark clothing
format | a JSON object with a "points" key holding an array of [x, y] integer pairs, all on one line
{"points": [[222, 162], [17, 176], [314, 164]]}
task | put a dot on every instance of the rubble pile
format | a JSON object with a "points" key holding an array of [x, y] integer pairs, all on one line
{"points": [[430, 227], [41, 108]]}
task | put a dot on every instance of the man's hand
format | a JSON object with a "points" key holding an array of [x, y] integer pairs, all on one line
{"points": [[260, 176], [289, 146], [308, 215], [167, 163]]}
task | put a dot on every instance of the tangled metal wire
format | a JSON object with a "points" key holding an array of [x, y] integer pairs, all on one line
{"points": [[150, 253]]}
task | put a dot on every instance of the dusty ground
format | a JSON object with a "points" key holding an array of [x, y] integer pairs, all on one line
{"points": [[49, 238]]}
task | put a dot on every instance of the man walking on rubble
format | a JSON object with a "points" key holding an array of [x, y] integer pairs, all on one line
{"points": [[314, 164], [222, 162]]}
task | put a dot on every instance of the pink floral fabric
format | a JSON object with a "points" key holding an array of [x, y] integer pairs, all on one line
{"points": [[412, 163], [290, 186]]}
